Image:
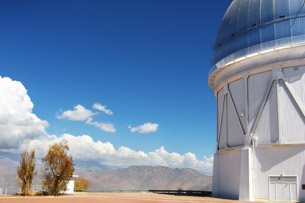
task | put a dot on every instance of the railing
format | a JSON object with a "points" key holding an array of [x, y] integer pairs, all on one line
{"points": [[168, 192], [184, 192], [116, 191], [2, 191], [37, 188]]}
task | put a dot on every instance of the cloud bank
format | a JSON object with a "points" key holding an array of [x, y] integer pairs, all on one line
{"points": [[85, 148], [20, 128]]}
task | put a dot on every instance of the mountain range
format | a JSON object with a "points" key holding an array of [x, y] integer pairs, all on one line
{"points": [[146, 178], [108, 178]]}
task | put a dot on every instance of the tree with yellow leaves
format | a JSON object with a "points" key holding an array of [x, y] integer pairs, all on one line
{"points": [[81, 184], [58, 168], [26, 171]]}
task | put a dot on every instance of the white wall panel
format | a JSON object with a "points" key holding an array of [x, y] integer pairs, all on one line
{"points": [[215, 185], [267, 128], [220, 100], [293, 192], [235, 134], [272, 191], [257, 88], [229, 174], [237, 89], [296, 78], [293, 122], [223, 127]]}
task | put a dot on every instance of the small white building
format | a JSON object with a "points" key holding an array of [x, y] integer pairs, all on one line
{"points": [[259, 81], [69, 190], [70, 186]]}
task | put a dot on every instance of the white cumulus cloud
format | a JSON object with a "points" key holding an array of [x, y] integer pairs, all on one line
{"points": [[79, 113], [145, 128], [108, 127], [102, 108], [18, 124]]}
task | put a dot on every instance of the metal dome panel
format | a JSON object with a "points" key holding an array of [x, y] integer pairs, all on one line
{"points": [[251, 26]]}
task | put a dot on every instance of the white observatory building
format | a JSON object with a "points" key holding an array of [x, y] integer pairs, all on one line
{"points": [[258, 79]]}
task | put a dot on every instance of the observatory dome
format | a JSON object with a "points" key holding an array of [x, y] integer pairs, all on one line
{"points": [[255, 25], [258, 79]]}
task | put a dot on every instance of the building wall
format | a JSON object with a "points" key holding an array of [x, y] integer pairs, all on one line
{"points": [[269, 104], [276, 161], [227, 173], [231, 179], [70, 187], [266, 102]]}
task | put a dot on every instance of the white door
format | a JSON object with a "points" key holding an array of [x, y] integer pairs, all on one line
{"points": [[282, 192], [283, 188]]}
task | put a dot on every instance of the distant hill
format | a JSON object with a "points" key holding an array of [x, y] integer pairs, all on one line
{"points": [[8, 174], [146, 178], [8, 181]]}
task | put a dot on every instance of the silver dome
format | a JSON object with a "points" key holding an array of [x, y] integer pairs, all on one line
{"points": [[251, 26]]}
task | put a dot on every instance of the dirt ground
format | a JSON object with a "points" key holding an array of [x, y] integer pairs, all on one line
{"points": [[114, 198]]}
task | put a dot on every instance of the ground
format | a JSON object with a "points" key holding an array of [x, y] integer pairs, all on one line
{"points": [[114, 198]]}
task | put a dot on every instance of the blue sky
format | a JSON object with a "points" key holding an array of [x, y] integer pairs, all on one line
{"points": [[145, 60]]}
